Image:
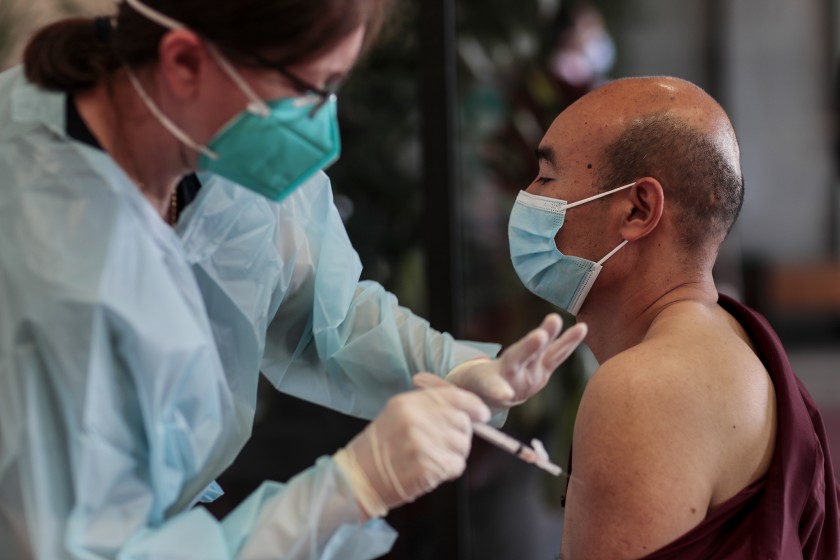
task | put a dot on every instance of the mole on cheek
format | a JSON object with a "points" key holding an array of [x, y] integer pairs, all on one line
{"points": [[589, 166]]}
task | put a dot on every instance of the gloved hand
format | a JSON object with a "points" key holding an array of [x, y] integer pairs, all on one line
{"points": [[523, 368], [419, 440]]}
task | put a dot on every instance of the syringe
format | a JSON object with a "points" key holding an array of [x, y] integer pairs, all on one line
{"points": [[513, 446], [535, 454]]}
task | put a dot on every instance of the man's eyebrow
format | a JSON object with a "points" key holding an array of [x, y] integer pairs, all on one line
{"points": [[546, 153]]}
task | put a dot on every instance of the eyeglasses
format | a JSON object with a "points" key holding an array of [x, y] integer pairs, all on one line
{"points": [[324, 94]]}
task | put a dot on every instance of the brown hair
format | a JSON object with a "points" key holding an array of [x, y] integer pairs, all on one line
{"points": [[75, 54], [697, 176]]}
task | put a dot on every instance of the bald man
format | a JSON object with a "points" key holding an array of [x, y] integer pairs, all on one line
{"points": [[693, 438]]}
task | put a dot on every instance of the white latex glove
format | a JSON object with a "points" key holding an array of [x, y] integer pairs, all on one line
{"points": [[523, 368], [420, 440]]}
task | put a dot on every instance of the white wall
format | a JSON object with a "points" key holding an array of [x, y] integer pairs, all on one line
{"points": [[26, 16], [779, 79], [776, 85]]}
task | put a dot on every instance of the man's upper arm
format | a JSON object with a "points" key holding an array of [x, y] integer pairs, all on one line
{"points": [[640, 472]]}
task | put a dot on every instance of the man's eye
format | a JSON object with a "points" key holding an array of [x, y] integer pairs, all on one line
{"points": [[543, 180]]}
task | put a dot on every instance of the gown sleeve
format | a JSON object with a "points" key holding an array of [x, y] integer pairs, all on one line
{"points": [[333, 339]]}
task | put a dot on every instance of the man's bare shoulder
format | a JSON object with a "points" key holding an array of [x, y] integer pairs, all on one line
{"points": [[660, 432], [693, 349], [696, 374], [637, 480]]}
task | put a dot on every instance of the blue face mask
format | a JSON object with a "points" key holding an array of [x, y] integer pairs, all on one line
{"points": [[560, 279], [270, 148]]}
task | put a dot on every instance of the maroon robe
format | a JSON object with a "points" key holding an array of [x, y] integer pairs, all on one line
{"points": [[793, 511]]}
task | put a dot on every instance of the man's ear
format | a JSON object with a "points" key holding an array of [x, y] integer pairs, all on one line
{"points": [[647, 200], [182, 58]]}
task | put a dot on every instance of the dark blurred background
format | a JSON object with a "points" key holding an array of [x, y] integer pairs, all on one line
{"points": [[439, 126]]}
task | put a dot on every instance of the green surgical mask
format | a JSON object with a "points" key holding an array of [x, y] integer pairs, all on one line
{"points": [[275, 154], [270, 148]]}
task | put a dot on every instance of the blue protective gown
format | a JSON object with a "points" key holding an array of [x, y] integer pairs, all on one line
{"points": [[130, 354]]}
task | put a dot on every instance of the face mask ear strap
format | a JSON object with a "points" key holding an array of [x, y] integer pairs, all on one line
{"points": [[613, 252], [155, 16], [256, 104], [167, 123], [597, 196]]}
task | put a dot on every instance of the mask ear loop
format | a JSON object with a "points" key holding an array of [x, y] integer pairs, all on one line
{"points": [[613, 252], [167, 123], [155, 16], [255, 105], [597, 196]]}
